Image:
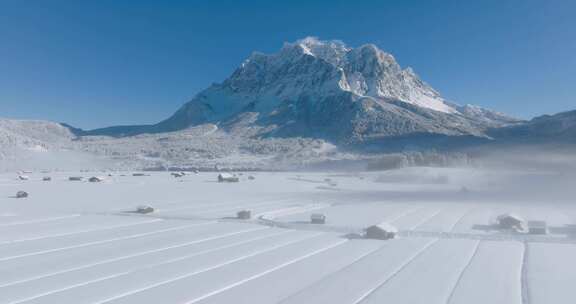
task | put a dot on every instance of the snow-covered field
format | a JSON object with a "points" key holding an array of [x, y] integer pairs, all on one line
{"points": [[77, 242]]}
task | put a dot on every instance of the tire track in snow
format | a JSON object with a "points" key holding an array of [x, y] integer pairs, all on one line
{"points": [[263, 273], [272, 214], [424, 221], [41, 220], [63, 289], [186, 202], [453, 226], [204, 215], [191, 205], [463, 272], [228, 206], [142, 253], [399, 269], [197, 272], [122, 238], [248, 206], [524, 289], [119, 274], [78, 232], [328, 228], [461, 218], [339, 271], [401, 215]]}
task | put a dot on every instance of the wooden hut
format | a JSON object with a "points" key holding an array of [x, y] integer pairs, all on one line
{"points": [[227, 178], [95, 179], [144, 209], [510, 221], [382, 231], [317, 218], [244, 214]]}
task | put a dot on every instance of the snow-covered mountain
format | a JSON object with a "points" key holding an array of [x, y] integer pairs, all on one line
{"points": [[311, 101], [324, 89]]}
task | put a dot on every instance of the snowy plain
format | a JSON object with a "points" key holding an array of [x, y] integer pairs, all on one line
{"points": [[76, 242]]}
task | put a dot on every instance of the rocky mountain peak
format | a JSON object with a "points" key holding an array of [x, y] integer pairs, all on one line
{"points": [[326, 89]]}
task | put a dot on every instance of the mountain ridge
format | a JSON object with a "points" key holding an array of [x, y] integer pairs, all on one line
{"points": [[311, 102], [304, 89]]}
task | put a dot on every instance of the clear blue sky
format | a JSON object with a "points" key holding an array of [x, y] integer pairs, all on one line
{"points": [[105, 62]]}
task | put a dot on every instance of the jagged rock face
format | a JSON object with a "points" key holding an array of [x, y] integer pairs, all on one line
{"points": [[324, 89]]}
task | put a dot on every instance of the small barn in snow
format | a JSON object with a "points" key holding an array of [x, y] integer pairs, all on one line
{"points": [[382, 231], [177, 174], [244, 214], [317, 218], [144, 209], [227, 178], [510, 221]]}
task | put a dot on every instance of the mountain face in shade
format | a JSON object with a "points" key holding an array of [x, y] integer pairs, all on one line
{"points": [[558, 128], [324, 89]]}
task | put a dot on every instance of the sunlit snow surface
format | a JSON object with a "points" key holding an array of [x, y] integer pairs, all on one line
{"points": [[75, 242]]}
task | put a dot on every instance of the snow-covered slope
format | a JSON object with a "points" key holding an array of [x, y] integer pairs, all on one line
{"points": [[32, 134], [324, 89], [80, 242], [41, 145], [559, 128]]}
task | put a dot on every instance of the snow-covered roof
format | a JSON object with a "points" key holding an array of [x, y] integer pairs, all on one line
{"points": [[385, 227], [510, 215]]}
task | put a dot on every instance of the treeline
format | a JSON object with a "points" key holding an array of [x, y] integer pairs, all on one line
{"points": [[419, 159]]}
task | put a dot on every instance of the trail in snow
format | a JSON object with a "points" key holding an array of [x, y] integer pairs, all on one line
{"points": [[103, 241], [50, 236], [399, 269], [187, 275], [525, 288], [464, 269], [261, 274], [123, 273], [106, 261], [41, 220]]}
